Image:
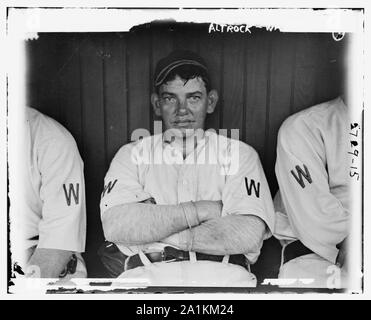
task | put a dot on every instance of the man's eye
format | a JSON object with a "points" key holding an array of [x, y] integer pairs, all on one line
{"points": [[195, 98], [169, 99]]}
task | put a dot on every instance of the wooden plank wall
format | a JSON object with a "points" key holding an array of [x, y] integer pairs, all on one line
{"points": [[98, 86]]}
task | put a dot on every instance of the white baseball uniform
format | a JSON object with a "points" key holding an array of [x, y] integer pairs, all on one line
{"points": [[312, 169], [150, 168], [48, 210]]}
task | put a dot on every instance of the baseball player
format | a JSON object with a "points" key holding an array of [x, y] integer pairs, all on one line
{"points": [[175, 208], [312, 206], [47, 216]]}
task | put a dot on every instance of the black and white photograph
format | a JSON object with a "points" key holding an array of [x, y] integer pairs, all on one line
{"points": [[184, 150]]}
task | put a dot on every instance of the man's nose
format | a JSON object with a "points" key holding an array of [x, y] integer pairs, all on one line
{"points": [[182, 106]]}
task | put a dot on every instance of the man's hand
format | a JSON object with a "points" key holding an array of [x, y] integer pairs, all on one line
{"points": [[207, 209], [341, 258], [48, 263]]}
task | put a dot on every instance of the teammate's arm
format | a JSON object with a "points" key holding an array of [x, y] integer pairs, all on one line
{"points": [[62, 228], [317, 217], [49, 262], [224, 235], [139, 223]]}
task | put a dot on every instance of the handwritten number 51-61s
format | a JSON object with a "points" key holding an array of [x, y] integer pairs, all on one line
{"points": [[354, 145]]}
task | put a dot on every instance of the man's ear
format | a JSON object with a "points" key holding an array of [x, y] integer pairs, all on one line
{"points": [[155, 101], [212, 98]]}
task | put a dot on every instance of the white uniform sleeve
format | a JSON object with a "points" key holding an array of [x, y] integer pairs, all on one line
{"points": [[63, 223], [121, 184], [316, 216], [246, 192]]}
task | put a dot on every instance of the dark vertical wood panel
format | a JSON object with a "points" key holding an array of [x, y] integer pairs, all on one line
{"points": [[186, 39], [256, 89], [335, 51], [48, 92], [42, 80], [94, 140], [69, 87], [280, 96], [116, 91], [307, 60], [328, 73], [162, 45], [138, 81], [322, 87], [211, 51], [32, 80], [233, 82]]}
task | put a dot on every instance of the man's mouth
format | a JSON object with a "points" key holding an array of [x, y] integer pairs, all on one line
{"points": [[182, 123]]}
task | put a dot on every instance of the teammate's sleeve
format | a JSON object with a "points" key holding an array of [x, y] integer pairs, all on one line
{"points": [[62, 191], [246, 192], [316, 216], [122, 182]]}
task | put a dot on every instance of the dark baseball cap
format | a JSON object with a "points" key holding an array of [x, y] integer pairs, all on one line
{"points": [[176, 59]]}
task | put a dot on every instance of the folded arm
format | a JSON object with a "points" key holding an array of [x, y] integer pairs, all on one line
{"points": [[140, 223], [224, 235]]}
